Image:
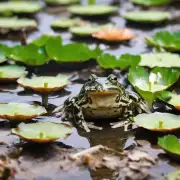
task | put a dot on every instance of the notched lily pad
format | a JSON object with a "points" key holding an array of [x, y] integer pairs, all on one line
{"points": [[92, 10], [173, 175], [147, 16], [151, 2], [165, 39], [160, 60], [62, 2], [161, 122], [66, 23], [148, 85], [113, 34], [44, 84], [19, 7], [16, 24], [20, 111], [4, 50], [171, 145], [42, 132], [171, 98], [12, 72]]}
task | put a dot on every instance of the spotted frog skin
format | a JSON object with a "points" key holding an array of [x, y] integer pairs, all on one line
{"points": [[102, 98]]}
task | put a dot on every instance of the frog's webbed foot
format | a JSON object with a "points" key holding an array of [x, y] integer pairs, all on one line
{"points": [[92, 126], [124, 124]]}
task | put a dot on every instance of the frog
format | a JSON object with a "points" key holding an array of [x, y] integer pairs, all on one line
{"points": [[102, 98]]}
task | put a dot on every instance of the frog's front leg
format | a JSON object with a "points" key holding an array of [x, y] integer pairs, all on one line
{"points": [[80, 121]]}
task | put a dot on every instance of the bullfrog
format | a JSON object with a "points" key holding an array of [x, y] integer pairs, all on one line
{"points": [[102, 98]]}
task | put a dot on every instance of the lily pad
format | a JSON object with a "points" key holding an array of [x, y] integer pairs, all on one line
{"points": [[147, 16], [29, 54], [12, 72], [85, 30], [19, 7], [113, 34], [44, 84], [125, 61], [4, 50], [173, 175], [92, 10], [165, 39], [42, 132], [151, 2], [171, 98], [62, 2], [20, 111], [15, 24], [160, 60], [161, 122], [170, 144], [149, 84], [66, 23]]}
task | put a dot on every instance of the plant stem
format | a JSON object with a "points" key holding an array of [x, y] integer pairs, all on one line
{"points": [[44, 100], [91, 2]]}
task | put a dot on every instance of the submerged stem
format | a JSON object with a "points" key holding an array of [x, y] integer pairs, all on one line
{"points": [[44, 100]]}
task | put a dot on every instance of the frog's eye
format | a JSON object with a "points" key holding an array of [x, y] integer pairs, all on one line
{"points": [[92, 77], [112, 78]]}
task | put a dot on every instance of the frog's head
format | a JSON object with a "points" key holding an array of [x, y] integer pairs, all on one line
{"points": [[103, 85]]}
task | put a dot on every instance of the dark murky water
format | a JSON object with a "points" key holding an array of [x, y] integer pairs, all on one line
{"points": [[42, 161]]}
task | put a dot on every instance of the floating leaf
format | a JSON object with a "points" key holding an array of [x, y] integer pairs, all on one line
{"points": [[162, 122], [149, 84], [15, 24], [20, 111], [151, 2], [79, 52], [66, 23], [171, 98], [170, 144], [160, 60], [12, 72], [42, 132], [19, 7], [62, 2], [114, 34], [147, 16], [173, 175], [165, 39], [108, 61], [44, 84], [4, 51], [92, 10], [84, 30], [29, 54]]}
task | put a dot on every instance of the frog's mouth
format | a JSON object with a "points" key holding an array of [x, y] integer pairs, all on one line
{"points": [[109, 92]]}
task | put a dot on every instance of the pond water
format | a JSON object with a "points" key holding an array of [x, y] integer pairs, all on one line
{"points": [[41, 161]]}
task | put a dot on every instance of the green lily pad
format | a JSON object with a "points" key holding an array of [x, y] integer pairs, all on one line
{"points": [[92, 10], [151, 2], [149, 84], [66, 23], [4, 50], [165, 39], [171, 98], [62, 2], [84, 30], [29, 54], [15, 24], [171, 145], [160, 60], [19, 7], [125, 61], [44, 84], [147, 16], [12, 72], [173, 175], [42, 132], [162, 122], [20, 111]]}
